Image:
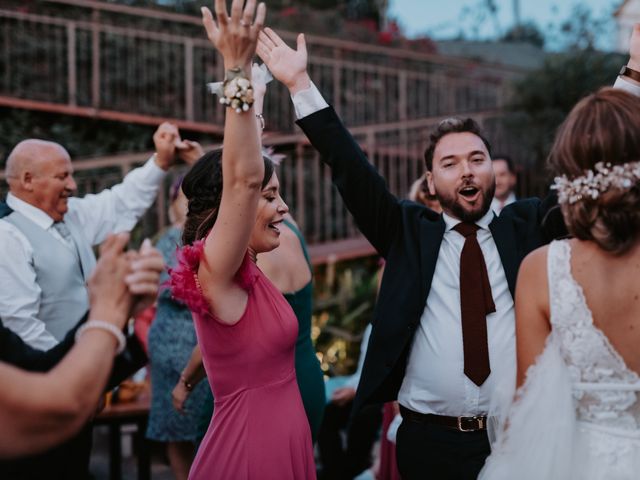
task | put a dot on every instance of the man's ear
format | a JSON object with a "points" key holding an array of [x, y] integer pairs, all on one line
{"points": [[26, 181], [432, 189]]}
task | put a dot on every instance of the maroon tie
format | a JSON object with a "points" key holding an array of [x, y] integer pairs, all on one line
{"points": [[476, 303]]}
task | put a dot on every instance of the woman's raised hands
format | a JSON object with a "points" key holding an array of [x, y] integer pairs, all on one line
{"points": [[235, 36], [287, 65]]}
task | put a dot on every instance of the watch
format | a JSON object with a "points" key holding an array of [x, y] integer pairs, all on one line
{"points": [[629, 72]]}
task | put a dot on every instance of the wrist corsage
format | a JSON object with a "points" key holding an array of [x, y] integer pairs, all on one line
{"points": [[235, 92]]}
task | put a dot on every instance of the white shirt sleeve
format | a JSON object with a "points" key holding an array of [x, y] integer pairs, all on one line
{"points": [[627, 86], [19, 290], [308, 101], [118, 208]]}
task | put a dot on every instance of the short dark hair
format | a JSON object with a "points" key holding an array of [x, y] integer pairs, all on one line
{"points": [[452, 125], [507, 159]]}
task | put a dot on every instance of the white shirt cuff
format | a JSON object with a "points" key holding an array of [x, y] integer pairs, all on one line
{"points": [[152, 172], [308, 101], [627, 86]]}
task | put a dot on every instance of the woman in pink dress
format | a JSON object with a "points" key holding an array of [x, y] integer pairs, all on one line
{"points": [[246, 329]]}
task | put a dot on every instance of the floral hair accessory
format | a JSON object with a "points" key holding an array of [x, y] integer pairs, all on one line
{"points": [[276, 158], [603, 177]]}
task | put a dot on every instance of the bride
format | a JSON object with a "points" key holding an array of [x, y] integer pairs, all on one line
{"points": [[576, 414]]}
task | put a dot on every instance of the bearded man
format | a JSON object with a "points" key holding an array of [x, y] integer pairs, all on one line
{"points": [[443, 333]]}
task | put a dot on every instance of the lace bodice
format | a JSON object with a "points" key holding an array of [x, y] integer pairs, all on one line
{"points": [[605, 390]]}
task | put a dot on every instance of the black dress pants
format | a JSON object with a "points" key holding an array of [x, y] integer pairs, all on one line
{"points": [[433, 452], [343, 462]]}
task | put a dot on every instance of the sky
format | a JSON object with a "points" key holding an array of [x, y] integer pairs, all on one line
{"points": [[442, 19]]}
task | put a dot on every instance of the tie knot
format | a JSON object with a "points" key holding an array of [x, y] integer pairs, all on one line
{"points": [[466, 229], [62, 229]]}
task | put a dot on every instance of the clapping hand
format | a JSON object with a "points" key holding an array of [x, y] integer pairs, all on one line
{"points": [[143, 279], [235, 37], [287, 65], [109, 296], [189, 151], [165, 140]]}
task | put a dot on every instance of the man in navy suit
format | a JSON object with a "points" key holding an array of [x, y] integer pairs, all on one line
{"points": [[444, 325]]}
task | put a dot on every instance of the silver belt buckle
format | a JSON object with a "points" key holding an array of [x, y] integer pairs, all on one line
{"points": [[479, 420]]}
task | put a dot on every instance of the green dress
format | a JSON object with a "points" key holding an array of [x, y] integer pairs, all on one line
{"points": [[308, 372]]}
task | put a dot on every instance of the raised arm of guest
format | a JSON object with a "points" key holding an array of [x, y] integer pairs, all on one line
{"points": [[226, 244], [364, 191], [194, 371], [118, 209]]}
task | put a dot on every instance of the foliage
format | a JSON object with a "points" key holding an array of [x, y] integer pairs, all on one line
{"points": [[344, 296], [526, 32], [543, 98]]}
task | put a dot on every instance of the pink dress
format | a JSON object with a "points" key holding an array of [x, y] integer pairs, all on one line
{"points": [[259, 430]]}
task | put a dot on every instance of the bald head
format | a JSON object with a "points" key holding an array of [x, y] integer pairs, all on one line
{"points": [[40, 173], [31, 155]]}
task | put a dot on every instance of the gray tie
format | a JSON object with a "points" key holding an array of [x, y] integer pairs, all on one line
{"points": [[64, 232]]}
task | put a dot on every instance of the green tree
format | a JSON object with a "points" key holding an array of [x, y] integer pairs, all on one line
{"points": [[543, 98]]}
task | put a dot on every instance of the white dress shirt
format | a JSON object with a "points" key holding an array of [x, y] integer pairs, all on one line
{"points": [[498, 205], [434, 380], [113, 210]]}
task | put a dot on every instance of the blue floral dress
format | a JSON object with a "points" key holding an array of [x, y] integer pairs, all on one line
{"points": [[172, 338]]}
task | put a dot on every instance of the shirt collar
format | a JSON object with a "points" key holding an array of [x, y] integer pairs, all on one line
{"points": [[34, 214], [483, 222]]}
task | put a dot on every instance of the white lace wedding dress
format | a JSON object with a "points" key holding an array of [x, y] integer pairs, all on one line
{"points": [[578, 414]]}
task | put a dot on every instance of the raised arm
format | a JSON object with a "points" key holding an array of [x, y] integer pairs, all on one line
{"points": [[235, 37], [363, 190], [118, 209]]}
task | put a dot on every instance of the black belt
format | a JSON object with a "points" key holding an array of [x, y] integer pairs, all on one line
{"points": [[462, 424]]}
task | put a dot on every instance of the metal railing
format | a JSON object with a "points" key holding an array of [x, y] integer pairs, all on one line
{"points": [[138, 65], [129, 64]]}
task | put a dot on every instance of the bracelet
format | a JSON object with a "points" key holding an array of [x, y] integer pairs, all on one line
{"points": [[107, 327], [187, 385], [260, 117]]}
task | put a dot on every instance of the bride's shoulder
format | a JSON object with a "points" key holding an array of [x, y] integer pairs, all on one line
{"points": [[533, 280]]}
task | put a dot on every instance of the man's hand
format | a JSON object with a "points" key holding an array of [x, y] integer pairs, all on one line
{"points": [[342, 396], [189, 151], [165, 140], [634, 48], [109, 297], [143, 280], [235, 36], [285, 64], [179, 396]]}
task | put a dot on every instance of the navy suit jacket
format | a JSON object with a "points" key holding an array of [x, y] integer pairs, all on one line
{"points": [[408, 236]]}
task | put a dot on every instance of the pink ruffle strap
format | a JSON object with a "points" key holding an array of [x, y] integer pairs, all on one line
{"points": [[183, 279]]}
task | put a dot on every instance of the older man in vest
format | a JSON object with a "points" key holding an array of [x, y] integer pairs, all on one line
{"points": [[47, 241]]}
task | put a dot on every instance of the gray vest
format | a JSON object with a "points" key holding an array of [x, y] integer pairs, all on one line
{"points": [[60, 274]]}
